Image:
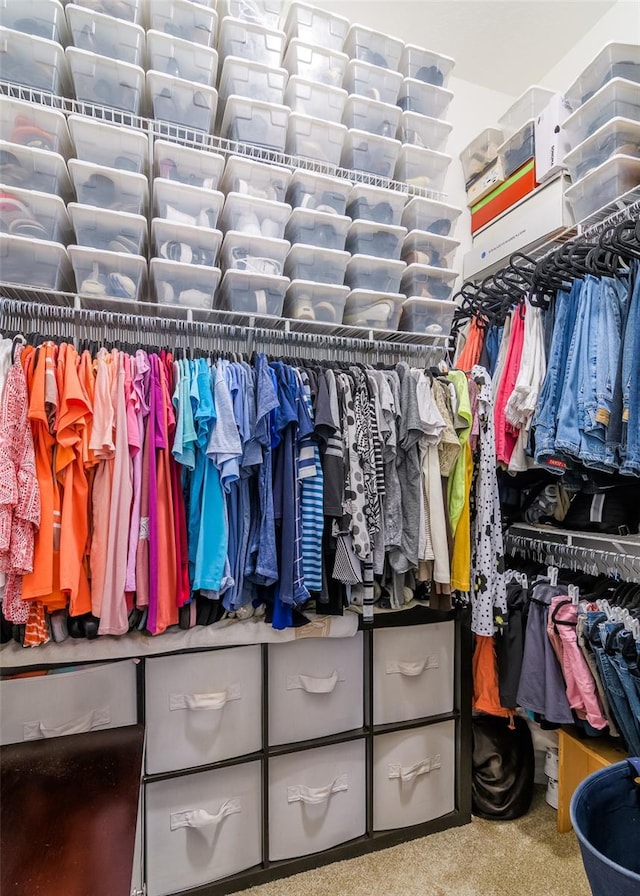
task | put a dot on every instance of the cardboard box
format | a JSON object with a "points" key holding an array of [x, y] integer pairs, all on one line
{"points": [[520, 184], [491, 177], [551, 140]]}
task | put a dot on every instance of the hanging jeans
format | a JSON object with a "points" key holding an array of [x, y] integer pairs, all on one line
{"points": [[631, 384]]}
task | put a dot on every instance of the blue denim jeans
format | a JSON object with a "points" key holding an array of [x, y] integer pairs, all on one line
{"points": [[572, 399], [615, 676], [613, 645], [631, 384], [618, 702]]}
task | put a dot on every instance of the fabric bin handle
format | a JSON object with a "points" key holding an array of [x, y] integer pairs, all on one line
{"points": [[412, 668], [96, 718], [314, 685], [313, 796], [413, 771], [200, 818], [203, 702]]}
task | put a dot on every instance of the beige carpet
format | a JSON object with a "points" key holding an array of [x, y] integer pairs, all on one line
{"points": [[526, 857]]}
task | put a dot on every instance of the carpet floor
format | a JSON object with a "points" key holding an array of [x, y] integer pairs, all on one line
{"points": [[526, 857]]}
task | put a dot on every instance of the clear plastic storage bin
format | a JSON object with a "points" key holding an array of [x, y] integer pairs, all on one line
{"points": [[615, 60], [98, 228], [426, 282], [182, 58], [185, 243], [106, 82], [373, 47], [193, 22], [182, 103], [106, 36], [528, 105], [252, 79], [376, 274], [312, 98], [249, 40], [518, 149], [255, 123], [33, 169], [422, 247], [310, 138], [617, 99], [603, 185], [316, 26], [481, 152], [425, 65], [370, 154], [253, 254], [196, 167], [320, 302], [377, 310], [264, 12], [363, 114], [429, 316], [37, 126], [425, 99], [184, 204], [376, 204], [316, 228], [315, 264], [106, 144], [422, 168], [255, 217], [257, 179], [423, 131], [109, 188], [320, 64], [379, 240], [318, 191], [186, 285], [41, 18], [619, 136], [252, 293], [364, 79], [32, 62], [127, 10], [427, 214], [38, 216], [114, 275], [31, 262]]}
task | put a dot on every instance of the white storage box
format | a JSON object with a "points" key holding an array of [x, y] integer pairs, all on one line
{"points": [[108, 274], [255, 123], [518, 149], [378, 240], [317, 265], [202, 707], [256, 254], [316, 26], [310, 138], [255, 217], [603, 185], [253, 80], [195, 167], [434, 217], [374, 274], [371, 81], [70, 702], [257, 179], [182, 58], [422, 168], [182, 103], [428, 282], [39, 216], [250, 293], [107, 82], [99, 228], [617, 136], [265, 12], [372, 116], [32, 62], [105, 144], [412, 672], [109, 188], [421, 130], [373, 47], [318, 191], [193, 22], [202, 827], [378, 310], [315, 301], [480, 153], [250, 40], [185, 243], [33, 169], [429, 316], [128, 10], [321, 64], [315, 688], [30, 262], [376, 204], [184, 204], [425, 99], [615, 60], [37, 126], [422, 247], [425, 65], [42, 18], [413, 776], [104, 35], [370, 154], [315, 228], [311, 98], [316, 799], [528, 106], [618, 98]]}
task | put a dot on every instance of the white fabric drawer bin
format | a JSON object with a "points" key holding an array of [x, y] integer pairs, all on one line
{"points": [[413, 776], [412, 672], [202, 707], [315, 688], [202, 827], [316, 799], [90, 699]]}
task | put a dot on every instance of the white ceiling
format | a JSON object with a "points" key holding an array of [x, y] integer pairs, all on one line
{"points": [[501, 44]]}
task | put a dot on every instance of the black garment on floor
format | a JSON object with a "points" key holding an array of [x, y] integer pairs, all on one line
{"points": [[503, 768]]}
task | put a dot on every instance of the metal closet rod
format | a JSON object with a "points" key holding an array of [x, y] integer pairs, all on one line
{"points": [[577, 557]]}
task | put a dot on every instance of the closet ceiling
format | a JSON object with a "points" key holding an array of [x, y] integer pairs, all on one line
{"points": [[505, 45]]}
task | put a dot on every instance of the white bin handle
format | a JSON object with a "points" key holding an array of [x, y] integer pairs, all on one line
{"points": [[96, 718], [412, 668], [314, 685], [200, 818], [203, 702], [300, 793], [413, 771]]}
